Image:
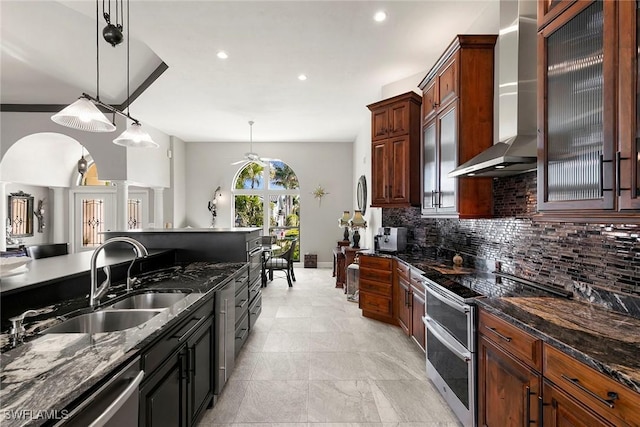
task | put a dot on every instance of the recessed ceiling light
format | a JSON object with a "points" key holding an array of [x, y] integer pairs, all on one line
{"points": [[302, 77], [380, 16], [222, 55], [500, 167]]}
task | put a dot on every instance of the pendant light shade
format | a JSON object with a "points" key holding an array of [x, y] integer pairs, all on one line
{"points": [[135, 137], [84, 115]]}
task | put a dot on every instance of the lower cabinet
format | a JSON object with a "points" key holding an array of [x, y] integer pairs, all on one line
{"points": [[417, 311], [180, 381], [410, 301], [376, 288], [560, 410], [507, 389]]}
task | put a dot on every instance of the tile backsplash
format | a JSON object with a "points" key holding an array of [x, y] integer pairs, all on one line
{"points": [[599, 263]]}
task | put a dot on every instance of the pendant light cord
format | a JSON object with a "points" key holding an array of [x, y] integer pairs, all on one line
{"points": [[97, 53], [128, 43]]}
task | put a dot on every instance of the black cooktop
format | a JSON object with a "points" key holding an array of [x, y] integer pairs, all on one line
{"points": [[450, 286]]}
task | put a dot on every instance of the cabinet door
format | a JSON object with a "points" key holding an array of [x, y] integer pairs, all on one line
{"points": [[448, 82], [549, 9], [399, 163], [429, 167], [417, 311], [577, 101], [163, 399], [379, 173], [200, 361], [446, 200], [399, 119], [560, 410], [379, 124], [404, 305], [429, 100], [507, 389], [628, 156]]}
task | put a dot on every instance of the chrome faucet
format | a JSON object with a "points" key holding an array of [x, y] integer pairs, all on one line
{"points": [[98, 292]]}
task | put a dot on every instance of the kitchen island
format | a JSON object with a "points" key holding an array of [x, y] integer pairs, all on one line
{"points": [[50, 372]]}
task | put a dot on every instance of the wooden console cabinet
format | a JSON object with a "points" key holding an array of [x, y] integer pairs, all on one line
{"points": [[376, 289]]}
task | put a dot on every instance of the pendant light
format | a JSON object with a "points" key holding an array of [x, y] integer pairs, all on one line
{"points": [[84, 114], [134, 136], [82, 164]]}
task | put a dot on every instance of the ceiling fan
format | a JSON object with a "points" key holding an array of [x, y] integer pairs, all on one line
{"points": [[251, 156]]}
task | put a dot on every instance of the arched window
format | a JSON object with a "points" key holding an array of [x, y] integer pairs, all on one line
{"points": [[267, 195]]}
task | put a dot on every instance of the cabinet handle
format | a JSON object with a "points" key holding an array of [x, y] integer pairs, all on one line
{"points": [[434, 105], [527, 409], [242, 303], [433, 204], [406, 298], [186, 334], [541, 406], [619, 159], [439, 200], [224, 340], [612, 395], [409, 298], [241, 337], [601, 178], [192, 361], [181, 371], [507, 339]]}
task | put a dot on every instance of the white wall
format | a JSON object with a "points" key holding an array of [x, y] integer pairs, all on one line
{"points": [[326, 164], [175, 196]]}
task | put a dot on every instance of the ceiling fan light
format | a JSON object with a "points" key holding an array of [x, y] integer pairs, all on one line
{"points": [[83, 115], [135, 137]]}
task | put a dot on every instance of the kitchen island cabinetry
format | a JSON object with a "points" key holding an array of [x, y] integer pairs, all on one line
{"points": [[376, 288], [457, 110], [395, 151], [180, 388], [588, 123]]}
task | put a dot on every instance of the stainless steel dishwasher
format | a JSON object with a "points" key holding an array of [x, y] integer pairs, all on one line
{"points": [[114, 404], [225, 315]]}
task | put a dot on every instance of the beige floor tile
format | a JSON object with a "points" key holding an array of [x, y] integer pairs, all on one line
{"points": [[336, 366], [331, 341], [341, 401], [287, 342], [282, 366], [274, 401], [393, 366], [226, 407]]}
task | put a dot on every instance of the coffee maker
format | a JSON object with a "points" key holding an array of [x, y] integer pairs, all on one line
{"points": [[391, 239]]}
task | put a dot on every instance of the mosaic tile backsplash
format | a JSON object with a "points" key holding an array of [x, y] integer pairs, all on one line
{"points": [[599, 263]]}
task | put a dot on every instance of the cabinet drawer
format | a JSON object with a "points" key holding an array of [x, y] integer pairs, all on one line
{"points": [[448, 82], [416, 284], [375, 303], [595, 390], [153, 357], [254, 290], [242, 302], [374, 286], [376, 275], [242, 332], [375, 262], [403, 270], [512, 339], [255, 308]]}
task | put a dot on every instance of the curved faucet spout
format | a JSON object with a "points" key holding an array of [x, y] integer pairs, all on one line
{"points": [[98, 291]]}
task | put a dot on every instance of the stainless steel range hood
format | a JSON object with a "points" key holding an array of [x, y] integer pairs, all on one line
{"points": [[517, 60]]}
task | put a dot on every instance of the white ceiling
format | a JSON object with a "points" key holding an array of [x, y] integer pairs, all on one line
{"points": [[49, 57]]}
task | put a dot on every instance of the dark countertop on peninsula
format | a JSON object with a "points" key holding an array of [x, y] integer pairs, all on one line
{"points": [[186, 230], [50, 371], [603, 339], [45, 270]]}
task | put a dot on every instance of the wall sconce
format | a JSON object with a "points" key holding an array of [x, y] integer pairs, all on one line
{"points": [[213, 205], [39, 214], [356, 223]]}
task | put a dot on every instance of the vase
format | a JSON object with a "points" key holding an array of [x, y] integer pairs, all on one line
{"points": [[457, 260]]}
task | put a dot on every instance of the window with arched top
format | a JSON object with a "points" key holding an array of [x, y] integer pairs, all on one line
{"points": [[267, 195]]}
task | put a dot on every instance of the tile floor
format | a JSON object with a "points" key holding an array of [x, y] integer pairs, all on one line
{"points": [[312, 360]]}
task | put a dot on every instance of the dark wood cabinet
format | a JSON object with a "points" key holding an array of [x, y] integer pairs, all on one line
{"points": [[588, 125], [457, 110], [395, 150], [179, 382], [409, 301], [508, 389], [560, 410], [417, 310], [549, 9], [403, 297], [376, 288]]}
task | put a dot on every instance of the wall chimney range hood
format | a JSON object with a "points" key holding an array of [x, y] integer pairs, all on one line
{"points": [[517, 150]]}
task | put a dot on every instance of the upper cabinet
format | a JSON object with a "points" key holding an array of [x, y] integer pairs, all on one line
{"points": [[588, 125], [395, 151], [457, 113]]}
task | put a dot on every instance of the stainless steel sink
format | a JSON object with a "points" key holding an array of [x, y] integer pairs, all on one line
{"points": [[103, 321], [149, 300]]}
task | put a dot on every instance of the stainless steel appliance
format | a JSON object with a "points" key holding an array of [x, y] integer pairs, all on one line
{"points": [[451, 346], [392, 239], [115, 403], [225, 318]]}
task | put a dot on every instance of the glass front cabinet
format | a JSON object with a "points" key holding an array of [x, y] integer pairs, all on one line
{"points": [[588, 120]]}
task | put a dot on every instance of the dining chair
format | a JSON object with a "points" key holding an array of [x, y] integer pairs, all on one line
{"points": [[283, 262], [48, 250]]}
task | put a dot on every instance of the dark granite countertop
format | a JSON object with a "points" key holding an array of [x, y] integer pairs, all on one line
{"points": [[50, 371], [185, 230], [603, 339]]}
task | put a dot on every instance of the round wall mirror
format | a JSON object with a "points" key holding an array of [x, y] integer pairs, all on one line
{"points": [[362, 194]]}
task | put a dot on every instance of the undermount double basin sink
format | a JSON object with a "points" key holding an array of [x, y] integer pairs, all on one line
{"points": [[129, 312]]}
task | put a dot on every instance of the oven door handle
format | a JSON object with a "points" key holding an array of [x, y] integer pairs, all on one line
{"points": [[463, 308], [446, 339]]}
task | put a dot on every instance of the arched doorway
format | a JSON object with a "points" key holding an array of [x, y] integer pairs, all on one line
{"points": [[267, 195]]}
